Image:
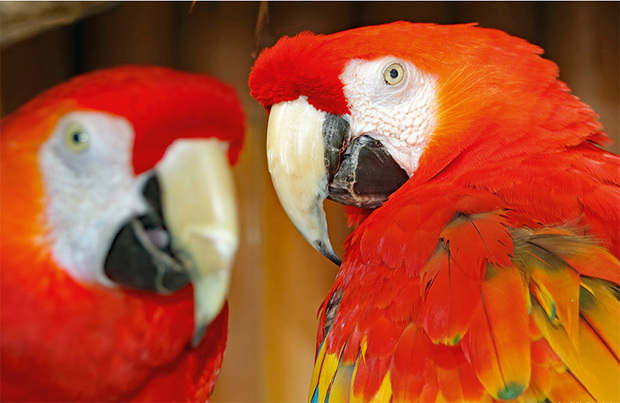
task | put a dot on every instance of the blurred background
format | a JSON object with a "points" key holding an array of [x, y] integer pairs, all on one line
{"points": [[279, 281]]}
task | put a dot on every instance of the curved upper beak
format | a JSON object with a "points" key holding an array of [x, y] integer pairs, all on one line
{"points": [[296, 160], [189, 233], [200, 209], [313, 155]]}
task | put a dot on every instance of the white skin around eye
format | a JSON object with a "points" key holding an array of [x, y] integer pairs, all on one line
{"points": [[89, 191], [401, 116]]}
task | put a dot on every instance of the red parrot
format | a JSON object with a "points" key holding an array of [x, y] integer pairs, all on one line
{"points": [[119, 228], [484, 265]]}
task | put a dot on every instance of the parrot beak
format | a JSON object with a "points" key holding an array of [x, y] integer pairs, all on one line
{"points": [[296, 160], [312, 156], [198, 195], [190, 233]]}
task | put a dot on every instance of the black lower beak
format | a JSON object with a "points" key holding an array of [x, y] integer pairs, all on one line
{"points": [[141, 256], [362, 173], [367, 175], [312, 155]]}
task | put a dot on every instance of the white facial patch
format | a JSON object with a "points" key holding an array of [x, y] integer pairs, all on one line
{"points": [[401, 115], [90, 189]]}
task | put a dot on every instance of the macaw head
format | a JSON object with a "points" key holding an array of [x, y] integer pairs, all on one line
{"points": [[121, 178], [356, 114]]}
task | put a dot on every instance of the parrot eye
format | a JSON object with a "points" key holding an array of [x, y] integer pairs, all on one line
{"points": [[76, 138], [394, 74]]}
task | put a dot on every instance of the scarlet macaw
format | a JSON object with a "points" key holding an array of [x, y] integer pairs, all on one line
{"points": [[119, 227], [485, 261]]}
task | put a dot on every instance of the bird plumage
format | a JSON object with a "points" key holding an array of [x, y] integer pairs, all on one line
{"points": [[492, 273], [63, 339]]}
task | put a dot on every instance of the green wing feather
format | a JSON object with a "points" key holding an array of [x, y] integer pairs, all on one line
{"points": [[545, 326]]}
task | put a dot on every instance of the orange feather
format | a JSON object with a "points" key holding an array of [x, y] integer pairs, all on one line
{"points": [[491, 245], [62, 340], [450, 299], [498, 344]]}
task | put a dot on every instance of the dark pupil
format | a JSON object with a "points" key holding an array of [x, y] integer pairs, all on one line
{"points": [[393, 73], [78, 137]]}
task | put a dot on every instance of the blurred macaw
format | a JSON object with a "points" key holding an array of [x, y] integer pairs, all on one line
{"points": [[485, 261], [118, 231]]}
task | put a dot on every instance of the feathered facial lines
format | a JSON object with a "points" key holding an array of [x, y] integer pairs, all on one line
{"points": [[84, 140], [394, 102], [89, 187]]}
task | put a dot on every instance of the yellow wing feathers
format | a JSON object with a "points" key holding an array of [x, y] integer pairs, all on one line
{"points": [[548, 327]]}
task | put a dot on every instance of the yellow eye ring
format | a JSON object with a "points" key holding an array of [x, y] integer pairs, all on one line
{"points": [[393, 74], [76, 138]]}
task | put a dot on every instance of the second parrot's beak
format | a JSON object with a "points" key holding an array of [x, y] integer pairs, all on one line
{"points": [[189, 234], [312, 155]]}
